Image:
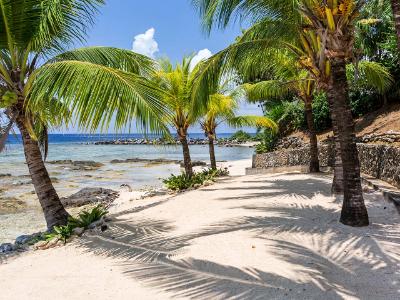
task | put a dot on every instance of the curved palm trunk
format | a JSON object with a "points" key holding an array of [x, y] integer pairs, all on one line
{"points": [[187, 161], [54, 212], [212, 152], [396, 17], [354, 212], [314, 161]]}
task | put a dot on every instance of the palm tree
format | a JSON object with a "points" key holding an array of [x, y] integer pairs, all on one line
{"points": [[41, 85], [176, 82], [332, 23], [222, 108]]}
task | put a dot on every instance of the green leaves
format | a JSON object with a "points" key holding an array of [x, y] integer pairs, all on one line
{"points": [[252, 121], [96, 94], [370, 74], [40, 25], [121, 59]]}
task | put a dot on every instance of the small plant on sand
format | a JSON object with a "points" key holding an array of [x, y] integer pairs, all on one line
{"points": [[183, 182], [61, 232], [86, 218]]}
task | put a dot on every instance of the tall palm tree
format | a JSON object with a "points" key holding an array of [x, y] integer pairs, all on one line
{"points": [[176, 81], [222, 108], [42, 85], [333, 24]]}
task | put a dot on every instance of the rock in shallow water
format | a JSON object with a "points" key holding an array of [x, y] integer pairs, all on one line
{"points": [[90, 196]]}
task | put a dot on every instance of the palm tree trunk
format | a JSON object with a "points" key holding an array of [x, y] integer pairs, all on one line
{"points": [[396, 17], [354, 212], [54, 212], [338, 183], [212, 152], [187, 161], [314, 161]]}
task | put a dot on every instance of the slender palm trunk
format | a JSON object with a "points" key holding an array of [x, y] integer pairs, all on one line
{"points": [[396, 17], [54, 212], [338, 183], [212, 152], [314, 161], [354, 212], [187, 161]]}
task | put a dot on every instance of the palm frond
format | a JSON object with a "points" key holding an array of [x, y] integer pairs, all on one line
{"points": [[120, 59], [97, 94], [265, 90], [253, 121], [370, 74]]}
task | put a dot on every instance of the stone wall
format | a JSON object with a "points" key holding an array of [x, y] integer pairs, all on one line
{"points": [[379, 161]]}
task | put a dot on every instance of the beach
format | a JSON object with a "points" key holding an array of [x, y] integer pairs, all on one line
{"points": [[245, 237], [74, 165]]}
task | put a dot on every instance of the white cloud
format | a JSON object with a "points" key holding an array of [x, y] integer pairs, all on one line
{"points": [[201, 55], [145, 43]]}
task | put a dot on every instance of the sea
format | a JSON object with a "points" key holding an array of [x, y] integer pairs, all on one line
{"points": [[20, 212]]}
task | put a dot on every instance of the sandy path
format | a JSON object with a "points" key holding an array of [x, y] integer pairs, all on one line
{"points": [[247, 237]]}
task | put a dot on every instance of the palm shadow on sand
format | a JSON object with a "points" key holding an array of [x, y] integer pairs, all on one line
{"points": [[150, 254]]}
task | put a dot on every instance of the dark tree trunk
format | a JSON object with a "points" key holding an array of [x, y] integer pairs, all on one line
{"points": [[396, 17], [314, 162], [212, 152], [187, 161], [354, 212], [337, 184], [54, 212]]}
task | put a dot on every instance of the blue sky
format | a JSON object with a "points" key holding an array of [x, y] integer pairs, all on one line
{"points": [[162, 28]]}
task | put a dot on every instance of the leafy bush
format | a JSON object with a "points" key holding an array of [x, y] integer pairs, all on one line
{"points": [[289, 115], [183, 182], [241, 136], [86, 218], [268, 142], [61, 232], [322, 118]]}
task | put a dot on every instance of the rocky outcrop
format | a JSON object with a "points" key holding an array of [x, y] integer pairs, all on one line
{"points": [[90, 196], [197, 141], [84, 165], [379, 161], [144, 160]]}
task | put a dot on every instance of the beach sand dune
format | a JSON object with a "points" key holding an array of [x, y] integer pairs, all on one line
{"points": [[246, 237]]}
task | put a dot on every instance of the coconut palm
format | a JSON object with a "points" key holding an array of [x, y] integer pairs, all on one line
{"points": [[176, 81], [42, 85], [222, 108], [332, 23]]}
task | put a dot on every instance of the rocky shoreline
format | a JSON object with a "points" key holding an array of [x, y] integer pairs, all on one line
{"points": [[163, 142]]}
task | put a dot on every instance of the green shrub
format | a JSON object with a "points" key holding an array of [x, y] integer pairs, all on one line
{"points": [[61, 232], [268, 142], [289, 115], [86, 218], [183, 182], [241, 136], [322, 118]]}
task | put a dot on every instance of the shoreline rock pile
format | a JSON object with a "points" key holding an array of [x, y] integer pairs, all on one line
{"points": [[158, 141]]}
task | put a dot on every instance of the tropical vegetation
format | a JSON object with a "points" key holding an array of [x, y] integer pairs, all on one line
{"points": [[42, 85], [322, 35]]}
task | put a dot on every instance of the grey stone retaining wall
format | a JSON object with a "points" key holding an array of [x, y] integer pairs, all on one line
{"points": [[379, 161]]}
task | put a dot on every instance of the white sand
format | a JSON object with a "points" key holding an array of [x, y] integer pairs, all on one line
{"points": [[246, 237]]}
